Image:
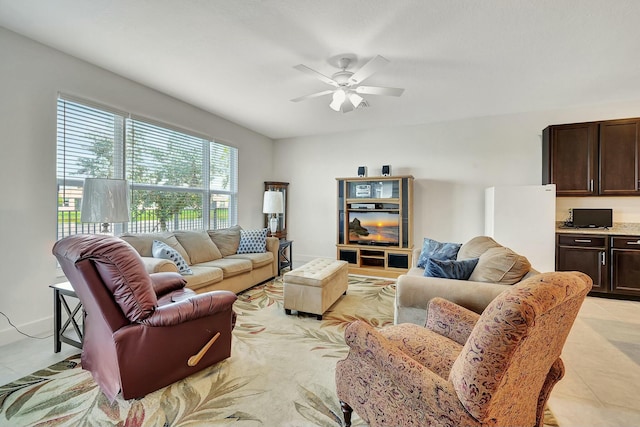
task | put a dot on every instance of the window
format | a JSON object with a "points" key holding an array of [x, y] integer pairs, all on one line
{"points": [[177, 180]]}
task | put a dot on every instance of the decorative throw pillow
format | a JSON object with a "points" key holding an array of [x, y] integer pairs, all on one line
{"points": [[476, 247], [450, 269], [501, 265], [198, 245], [434, 249], [253, 241], [226, 239], [143, 243], [164, 251]]}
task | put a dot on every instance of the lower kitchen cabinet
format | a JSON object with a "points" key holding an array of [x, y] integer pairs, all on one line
{"points": [[612, 262], [585, 253], [625, 265]]}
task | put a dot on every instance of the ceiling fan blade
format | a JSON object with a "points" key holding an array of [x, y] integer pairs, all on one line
{"points": [[317, 75], [313, 95], [376, 90], [367, 69]]}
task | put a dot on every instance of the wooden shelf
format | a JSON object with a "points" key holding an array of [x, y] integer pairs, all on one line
{"points": [[282, 217], [375, 210]]}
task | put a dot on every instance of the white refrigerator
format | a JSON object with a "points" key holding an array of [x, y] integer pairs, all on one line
{"points": [[523, 218]]}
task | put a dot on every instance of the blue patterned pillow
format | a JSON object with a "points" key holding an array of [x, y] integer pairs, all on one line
{"points": [[450, 269], [434, 249], [253, 241], [162, 250]]}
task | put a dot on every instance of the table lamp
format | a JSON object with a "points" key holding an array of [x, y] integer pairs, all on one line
{"points": [[272, 205], [105, 201]]}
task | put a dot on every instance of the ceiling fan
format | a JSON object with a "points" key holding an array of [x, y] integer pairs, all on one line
{"points": [[346, 84]]}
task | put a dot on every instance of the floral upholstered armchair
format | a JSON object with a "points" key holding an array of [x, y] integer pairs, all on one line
{"points": [[464, 369]]}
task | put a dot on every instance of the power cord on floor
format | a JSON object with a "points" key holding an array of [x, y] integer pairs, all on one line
{"points": [[23, 333]]}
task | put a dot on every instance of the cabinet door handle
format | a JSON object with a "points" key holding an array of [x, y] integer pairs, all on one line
{"points": [[591, 185], [603, 257], [582, 240], [637, 242]]}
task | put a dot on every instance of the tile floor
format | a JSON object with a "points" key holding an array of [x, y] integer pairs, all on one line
{"points": [[602, 358], [601, 386]]}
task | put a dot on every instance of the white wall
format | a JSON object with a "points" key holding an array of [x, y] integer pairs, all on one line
{"points": [[625, 209], [31, 75], [452, 162]]}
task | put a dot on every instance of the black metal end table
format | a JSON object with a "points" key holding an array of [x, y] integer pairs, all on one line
{"points": [[62, 292], [285, 255]]}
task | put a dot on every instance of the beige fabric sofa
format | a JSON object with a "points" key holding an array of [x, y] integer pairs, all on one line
{"points": [[212, 257], [498, 268]]}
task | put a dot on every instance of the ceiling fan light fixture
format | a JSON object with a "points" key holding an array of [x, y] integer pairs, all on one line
{"points": [[355, 99], [346, 95], [339, 97]]}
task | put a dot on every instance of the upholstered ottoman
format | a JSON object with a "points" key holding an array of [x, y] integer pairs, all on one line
{"points": [[315, 286]]}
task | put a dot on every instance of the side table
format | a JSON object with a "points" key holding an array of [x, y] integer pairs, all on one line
{"points": [[62, 292], [285, 255]]}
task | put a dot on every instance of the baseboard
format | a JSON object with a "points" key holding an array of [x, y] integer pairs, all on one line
{"points": [[37, 328]]}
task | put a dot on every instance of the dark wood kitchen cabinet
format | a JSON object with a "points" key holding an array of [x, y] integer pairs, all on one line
{"points": [[619, 165], [625, 265], [585, 253], [570, 158], [612, 262], [593, 159]]}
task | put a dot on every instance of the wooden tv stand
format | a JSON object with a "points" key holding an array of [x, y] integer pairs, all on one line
{"points": [[391, 195]]}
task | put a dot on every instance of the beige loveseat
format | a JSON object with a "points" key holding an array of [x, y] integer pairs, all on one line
{"points": [[498, 268], [212, 258]]}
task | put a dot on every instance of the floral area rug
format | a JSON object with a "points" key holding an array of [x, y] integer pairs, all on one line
{"points": [[280, 373]]}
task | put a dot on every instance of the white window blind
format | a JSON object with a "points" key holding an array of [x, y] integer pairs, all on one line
{"points": [[178, 180], [86, 141], [223, 164]]}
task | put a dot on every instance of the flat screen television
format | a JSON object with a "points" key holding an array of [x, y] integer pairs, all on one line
{"points": [[592, 218], [374, 228]]}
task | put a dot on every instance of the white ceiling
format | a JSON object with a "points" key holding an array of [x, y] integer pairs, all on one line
{"points": [[455, 58]]}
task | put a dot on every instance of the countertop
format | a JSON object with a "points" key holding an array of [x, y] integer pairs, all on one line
{"points": [[618, 229]]}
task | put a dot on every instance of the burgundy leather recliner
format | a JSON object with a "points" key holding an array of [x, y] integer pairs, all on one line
{"points": [[142, 331]]}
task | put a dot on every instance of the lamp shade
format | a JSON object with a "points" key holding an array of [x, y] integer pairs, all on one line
{"points": [[272, 202], [105, 200], [339, 97]]}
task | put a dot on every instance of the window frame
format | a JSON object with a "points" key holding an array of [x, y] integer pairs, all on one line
{"points": [[120, 164]]}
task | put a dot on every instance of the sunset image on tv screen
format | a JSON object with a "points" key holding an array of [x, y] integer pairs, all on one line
{"points": [[374, 227]]}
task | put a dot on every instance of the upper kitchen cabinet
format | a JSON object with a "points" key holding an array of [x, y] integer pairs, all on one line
{"points": [[619, 164], [591, 159], [570, 158]]}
